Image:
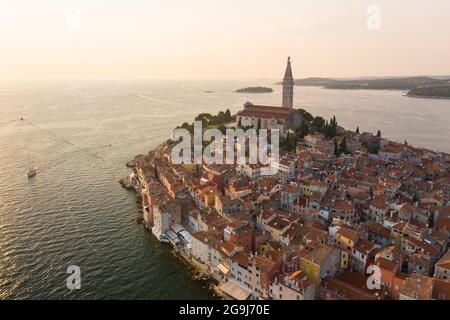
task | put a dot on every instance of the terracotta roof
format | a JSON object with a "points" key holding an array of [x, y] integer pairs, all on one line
{"points": [[264, 263], [418, 286], [441, 289], [379, 229], [379, 202], [279, 224], [241, 258], [266, 112], [386, 264], [364, 246], [443, 223], [350, 285], [343, 205], [349, 234], [444, 262], [316, 255]]}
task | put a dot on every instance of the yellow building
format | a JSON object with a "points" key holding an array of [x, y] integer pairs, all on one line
{"points": [[277, 227], [306, 188], [209, 198], [346, 240], [189, 166], [319, 261]]}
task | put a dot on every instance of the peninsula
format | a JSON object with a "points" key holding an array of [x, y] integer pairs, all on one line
{"points": [[339, 204], [438, 92]]}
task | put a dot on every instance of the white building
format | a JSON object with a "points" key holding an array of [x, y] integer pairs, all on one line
{"points": [[292, 286]]}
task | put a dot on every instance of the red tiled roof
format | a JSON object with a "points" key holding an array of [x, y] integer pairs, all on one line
{"points": [[266, 112]]}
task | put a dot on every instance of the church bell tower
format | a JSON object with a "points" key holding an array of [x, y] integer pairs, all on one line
{"points": [[288, 87]]}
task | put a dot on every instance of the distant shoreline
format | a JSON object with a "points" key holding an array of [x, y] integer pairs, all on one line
{"points": [[426, 97]]}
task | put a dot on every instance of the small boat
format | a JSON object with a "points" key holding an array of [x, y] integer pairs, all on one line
{"points": [[31, 173]]}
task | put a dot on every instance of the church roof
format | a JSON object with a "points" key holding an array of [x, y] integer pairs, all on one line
{"points": [[266, 112]]}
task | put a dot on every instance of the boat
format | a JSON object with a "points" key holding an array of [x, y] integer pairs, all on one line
{"points": [[31, 171]]}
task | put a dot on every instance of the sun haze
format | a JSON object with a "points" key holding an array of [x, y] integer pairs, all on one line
{"points": [[223, 39]]}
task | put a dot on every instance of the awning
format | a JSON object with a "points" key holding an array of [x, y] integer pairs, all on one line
{"points": [[223, 269], [176, 228], [234, 290]]}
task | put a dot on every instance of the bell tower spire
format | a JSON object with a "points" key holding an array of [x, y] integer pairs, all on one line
{"points": [[288, 86]]}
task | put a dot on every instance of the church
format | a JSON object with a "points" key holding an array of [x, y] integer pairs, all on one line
{"points": [[284, 118]]}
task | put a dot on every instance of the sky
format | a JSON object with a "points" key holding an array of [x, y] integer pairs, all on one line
{"points": [[218, 39]]}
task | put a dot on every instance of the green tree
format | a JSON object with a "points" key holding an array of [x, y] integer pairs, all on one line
{"points": [[379, 134], [305, 115], [357, 130], [228, 115], [318, 123], [239, 124], [343, 146], [336, 148], [303, 130]]}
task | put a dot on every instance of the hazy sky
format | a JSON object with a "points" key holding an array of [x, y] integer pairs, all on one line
{"points": [[223, 38]]}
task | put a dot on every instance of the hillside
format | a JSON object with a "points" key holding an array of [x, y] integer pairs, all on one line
{"points": [[372, 84], [431, 92]]}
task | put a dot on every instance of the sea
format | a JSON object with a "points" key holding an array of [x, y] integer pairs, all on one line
{"points": [[79, 134]]}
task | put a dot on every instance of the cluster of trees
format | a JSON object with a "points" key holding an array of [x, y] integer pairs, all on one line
{"points": [[340, 148], [290, 142], [210, 121], [312, 124], [255, 90]]}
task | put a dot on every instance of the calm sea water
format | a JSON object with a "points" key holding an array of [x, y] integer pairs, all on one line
{"points": [[79, 134]]}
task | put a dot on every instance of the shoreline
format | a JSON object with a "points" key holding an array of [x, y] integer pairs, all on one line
{"points": [[426, 97], [133, 183]]}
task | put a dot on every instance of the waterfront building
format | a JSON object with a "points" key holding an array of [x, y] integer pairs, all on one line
{"points": [[165, 214], [206, 250], [262, 270]]}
